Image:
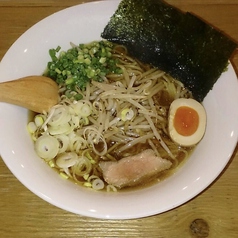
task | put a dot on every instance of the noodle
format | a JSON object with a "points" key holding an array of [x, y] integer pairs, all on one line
{"points": [[121, 116]]}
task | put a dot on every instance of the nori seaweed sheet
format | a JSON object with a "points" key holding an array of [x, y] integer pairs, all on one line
{"points": [[178, 43]]}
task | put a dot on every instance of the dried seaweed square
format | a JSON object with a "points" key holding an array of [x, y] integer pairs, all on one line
{"points": [[178, 43]]}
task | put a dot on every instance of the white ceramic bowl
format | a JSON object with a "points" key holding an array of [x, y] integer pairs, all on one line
{"points": [[29, 55]]}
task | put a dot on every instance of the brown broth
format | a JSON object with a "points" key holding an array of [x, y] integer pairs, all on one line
{"points": [[162, 99], [132, 151]]}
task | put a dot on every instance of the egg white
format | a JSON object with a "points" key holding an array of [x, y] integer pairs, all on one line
{"points": [[199, 133]]}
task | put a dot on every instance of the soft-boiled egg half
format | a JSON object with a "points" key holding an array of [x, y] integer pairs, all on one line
{"points": [[187, 121]]}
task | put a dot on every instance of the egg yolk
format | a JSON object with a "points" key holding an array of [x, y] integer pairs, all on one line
{"points": [[186, 121]]}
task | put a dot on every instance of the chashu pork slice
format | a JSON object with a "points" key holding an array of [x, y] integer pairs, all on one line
{"points": [[133, 170]]}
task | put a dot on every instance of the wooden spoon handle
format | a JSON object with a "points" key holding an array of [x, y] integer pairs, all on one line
{"points": [[37, 93]]}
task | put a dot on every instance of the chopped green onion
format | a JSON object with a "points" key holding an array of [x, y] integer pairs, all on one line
{"points": [[51, 163], [64, 175], [39, 120], [86, 176], [127, 114], [31, 127], [87, 184], [79, 65], [78, 96]]}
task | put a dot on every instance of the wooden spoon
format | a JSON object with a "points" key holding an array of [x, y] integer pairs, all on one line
{"points": [[37, 93]]}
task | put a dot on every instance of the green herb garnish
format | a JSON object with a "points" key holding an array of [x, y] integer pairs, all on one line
{"points": [[80, 64]]}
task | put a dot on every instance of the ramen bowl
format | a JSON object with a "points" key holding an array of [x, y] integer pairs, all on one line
{"points": [[29, 56]]}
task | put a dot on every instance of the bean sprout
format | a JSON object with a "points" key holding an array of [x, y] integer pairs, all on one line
{"points": [[119, 115]]}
